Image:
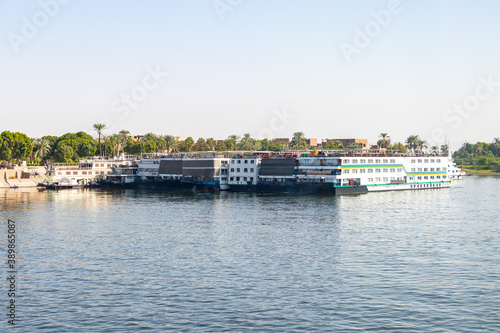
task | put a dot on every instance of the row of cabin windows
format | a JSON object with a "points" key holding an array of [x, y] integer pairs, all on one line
{"points": [[244, 170], [246, 161], [426, 177], [426, 160], [372, 170], [363, 161], [75, 173], [425, 185], [239, 179], [426, 169]]}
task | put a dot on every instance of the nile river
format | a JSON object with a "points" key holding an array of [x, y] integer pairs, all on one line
{"points": [[126, 261]]}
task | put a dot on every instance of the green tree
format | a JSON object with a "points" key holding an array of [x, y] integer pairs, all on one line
{"points": [[63, 154], [384, 141], [246, 142], [232, 141], [298, 141], [170, 143], [220, 146], [99, 128], [188, 143], [122, 136], [15, 145], [42, 148], [211, 144]]}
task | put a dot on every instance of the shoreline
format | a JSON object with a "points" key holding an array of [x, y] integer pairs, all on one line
{"points": [[472, 172]]}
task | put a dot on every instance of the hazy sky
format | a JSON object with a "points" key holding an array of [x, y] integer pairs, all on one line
{"points": [[211, 68]]}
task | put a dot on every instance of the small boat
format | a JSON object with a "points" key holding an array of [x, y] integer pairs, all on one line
{"points": [[14, 186]]}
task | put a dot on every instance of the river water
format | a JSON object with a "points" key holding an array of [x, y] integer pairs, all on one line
{"points": [[128, 260]]}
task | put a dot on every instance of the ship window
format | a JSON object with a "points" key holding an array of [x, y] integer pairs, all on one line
{"points": [[377, 179], [370, 161], [426, 169], [102, 172], [346, 171], [432, 177], [438, 161], [385, 161], [400, 169], [426, 177], [232, 169], [239, 161], [419, 177], [251, 179], [362, 161], [75, 173], [377, 161], [432, 161], [354, 161], [252, 161], [354, 170], [412, 161], [432, 169], [393, 161], [438, 169], [84, 172], [377, 170], [232, 161], [237, 179], [245, 170], [410, 178], [370, 170], [68, 173], [251, 169], [386, 170], [246, 161], [362, 171], [238, 170], [245, 178], [386, 179], [419, 169], [426, 161], [370, 180], [419, 161], [393, 170], [346, 161], [231, 179], [438, 177]]}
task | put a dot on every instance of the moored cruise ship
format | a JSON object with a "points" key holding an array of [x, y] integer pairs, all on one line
{"points": [[329, 171], [86, 172]]}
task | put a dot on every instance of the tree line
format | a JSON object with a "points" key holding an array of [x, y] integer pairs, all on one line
{"points": [[479, 155], [71, 147]]}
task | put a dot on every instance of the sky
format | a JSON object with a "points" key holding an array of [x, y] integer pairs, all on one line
{"points": [[212, 68]]}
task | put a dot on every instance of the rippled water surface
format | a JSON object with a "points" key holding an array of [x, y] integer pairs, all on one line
{"points": [[125, 260]]}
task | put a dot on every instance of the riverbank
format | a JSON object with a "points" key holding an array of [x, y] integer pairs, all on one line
{"points": [[21, 177], [477, 172]]}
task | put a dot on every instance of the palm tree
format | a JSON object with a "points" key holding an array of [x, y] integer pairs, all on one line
{"points": [[42, 148], [496, 145], [412, 142], [211, 143], [170, 143], [435, 150], [421, 145], [189, 143], [298, 140], [384, 141], [122, 136], [232, 141], [98, 128], [105, 138], [444, 149], [246, 143]]}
